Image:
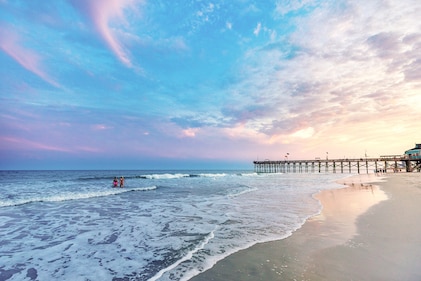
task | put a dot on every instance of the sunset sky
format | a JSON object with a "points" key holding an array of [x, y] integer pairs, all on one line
{"points": [[171, 84]]}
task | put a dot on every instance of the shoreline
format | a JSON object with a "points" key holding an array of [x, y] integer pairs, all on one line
{"points": [[364, 232]]}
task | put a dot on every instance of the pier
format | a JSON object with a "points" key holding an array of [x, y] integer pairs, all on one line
{"points": [[383, 164]]}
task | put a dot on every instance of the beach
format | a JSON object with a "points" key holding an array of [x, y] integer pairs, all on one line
{"points": [[365, 231]]}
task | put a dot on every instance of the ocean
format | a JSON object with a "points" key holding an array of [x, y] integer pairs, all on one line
{"points": [[163, 225]]}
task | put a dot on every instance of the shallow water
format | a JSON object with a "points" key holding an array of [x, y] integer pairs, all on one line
{"points": [[163, 225]]}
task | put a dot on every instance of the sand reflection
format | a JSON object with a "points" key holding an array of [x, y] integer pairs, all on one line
{"points": [[341, 207]]}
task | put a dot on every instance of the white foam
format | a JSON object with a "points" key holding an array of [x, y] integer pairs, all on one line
{"points": [[211, 175], [73, 196], [236, 193], [165, 176], [188, 256], [249, 174]]}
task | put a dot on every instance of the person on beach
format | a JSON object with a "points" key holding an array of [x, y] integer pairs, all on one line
{"points": [[115, 182], [121, 181]]}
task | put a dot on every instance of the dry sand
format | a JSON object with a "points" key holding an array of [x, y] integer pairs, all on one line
{"points": [[359, 235]]}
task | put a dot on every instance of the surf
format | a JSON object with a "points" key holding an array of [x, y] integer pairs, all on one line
{"points": [[73, 196]]}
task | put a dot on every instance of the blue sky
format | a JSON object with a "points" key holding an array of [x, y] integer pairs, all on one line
{"points": [[206, 84]]}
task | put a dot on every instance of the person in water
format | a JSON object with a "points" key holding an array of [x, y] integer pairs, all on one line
{"points": [[121, 181], [115, 182]]}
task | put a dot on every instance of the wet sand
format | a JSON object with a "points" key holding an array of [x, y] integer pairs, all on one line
{"points": [[359, 235]]}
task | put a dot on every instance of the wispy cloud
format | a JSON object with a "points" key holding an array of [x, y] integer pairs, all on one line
{"points": [[257, 29], [285, 7], [101, 127], [11, 44], [21, 143], [107, 16], [340, 71]]}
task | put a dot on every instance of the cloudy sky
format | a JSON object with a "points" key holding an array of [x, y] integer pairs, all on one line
{"points": [[206, 84]]}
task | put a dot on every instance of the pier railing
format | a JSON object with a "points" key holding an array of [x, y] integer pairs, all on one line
{"points": [[361, 165]]}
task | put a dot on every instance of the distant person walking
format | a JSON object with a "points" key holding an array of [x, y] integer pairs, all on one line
{"points": [[115, 182], [121, 181]]}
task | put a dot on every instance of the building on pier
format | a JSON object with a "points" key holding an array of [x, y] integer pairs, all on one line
{"points": [[414, 153], [413, 158]]}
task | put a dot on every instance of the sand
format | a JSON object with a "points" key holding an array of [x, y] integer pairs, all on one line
{"points": [[363, 233]]}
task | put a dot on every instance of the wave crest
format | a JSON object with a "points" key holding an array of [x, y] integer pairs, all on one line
{"points": [[73, 196]]}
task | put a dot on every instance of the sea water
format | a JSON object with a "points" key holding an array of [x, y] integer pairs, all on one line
{"points": [[163, 225]]}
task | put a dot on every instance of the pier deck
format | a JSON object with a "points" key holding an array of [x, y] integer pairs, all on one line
{"points": [[387, 164]]}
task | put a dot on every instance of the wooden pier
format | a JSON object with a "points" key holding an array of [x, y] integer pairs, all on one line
{"points": [[383, 164]]}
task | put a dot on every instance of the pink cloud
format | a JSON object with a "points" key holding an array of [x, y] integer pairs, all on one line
{"points": [[10, 44], [191, 132], [24, 144], [101, 127], [102, 13], [89, 149], [20, 143]]}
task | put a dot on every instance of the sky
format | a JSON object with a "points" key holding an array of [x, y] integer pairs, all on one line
{"points": [[198, 84]]}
